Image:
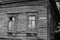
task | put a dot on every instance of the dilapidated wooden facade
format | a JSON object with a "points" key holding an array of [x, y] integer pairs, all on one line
{"points": [[25, 21]]}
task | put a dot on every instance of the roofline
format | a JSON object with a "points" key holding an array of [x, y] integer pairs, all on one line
{"points": [[33, 3]]}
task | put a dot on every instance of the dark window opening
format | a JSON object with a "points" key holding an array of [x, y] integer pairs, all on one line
{"points": [[10, 18], [31, 34]]}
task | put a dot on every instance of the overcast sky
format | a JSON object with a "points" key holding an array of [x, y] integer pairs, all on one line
{"points": [[58, 4]]}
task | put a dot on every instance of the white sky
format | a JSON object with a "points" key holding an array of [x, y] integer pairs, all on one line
{"points": [[58, 4]]}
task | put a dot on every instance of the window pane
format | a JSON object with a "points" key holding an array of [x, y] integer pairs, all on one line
{"points": [[10, 25], [30, 24], [33, 24], [31, 17], [13, 19]]}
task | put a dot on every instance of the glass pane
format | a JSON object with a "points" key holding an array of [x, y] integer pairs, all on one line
{"points": [[13, 19], [29, 24], [33, 24], [31, 17], [10, 25]]}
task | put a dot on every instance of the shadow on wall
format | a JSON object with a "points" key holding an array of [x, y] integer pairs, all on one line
{"points": [[40, 39], [17, 39], [9, 39]]}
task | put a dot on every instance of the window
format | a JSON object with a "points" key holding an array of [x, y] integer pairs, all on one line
{"points": [[31, 23], [11, 23]]}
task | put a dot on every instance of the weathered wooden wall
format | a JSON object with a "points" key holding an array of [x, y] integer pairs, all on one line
{"points": [[22, 19]]}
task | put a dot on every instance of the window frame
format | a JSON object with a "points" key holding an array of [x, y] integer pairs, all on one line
{"points": [[31, 21], [11, 26], [15, 16]]}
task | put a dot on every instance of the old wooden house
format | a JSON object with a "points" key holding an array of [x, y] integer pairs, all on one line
{"points": [[25, 20]]}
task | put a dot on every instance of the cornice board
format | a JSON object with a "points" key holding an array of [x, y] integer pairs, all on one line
{"points": [[57, 0], [12, 1], [22, 9], [38, 3]]}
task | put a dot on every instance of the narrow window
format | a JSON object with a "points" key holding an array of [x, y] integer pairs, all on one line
{"points": [[11, 23], [31, 23]]}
